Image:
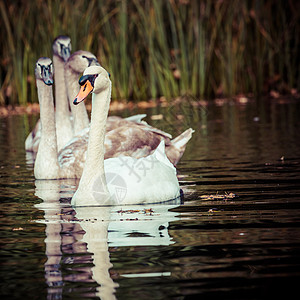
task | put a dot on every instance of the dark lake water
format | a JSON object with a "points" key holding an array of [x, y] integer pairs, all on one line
{"points": [[235, 236]]}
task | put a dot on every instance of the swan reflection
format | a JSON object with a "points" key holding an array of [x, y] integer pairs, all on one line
{"points": [[78, 240]]}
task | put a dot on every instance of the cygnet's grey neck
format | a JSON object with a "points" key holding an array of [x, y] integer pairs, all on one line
{"points": [[80, 115]]}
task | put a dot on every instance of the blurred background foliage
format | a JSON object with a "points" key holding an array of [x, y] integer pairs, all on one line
{"points": [[156, 48]]}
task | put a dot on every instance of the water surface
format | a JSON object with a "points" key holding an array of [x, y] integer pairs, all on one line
{"points": [[235, 235]]}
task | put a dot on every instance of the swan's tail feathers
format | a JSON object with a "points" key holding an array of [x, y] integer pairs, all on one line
{"points": [[178, 146], [181, 140], [136, 118]]}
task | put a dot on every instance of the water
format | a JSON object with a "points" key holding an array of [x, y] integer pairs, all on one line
{"points": [[244, 245]]}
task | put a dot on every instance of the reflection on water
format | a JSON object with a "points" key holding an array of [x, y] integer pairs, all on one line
{"points": [[238, 247], [93, 230]]}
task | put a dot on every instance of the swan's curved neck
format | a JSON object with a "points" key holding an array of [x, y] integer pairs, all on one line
{"points": [[93, 171], [46, 163], [64, 130], [80, 116], [61, 103]]}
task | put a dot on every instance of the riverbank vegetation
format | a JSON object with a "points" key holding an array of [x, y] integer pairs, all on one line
{"points": [[154, 48]]}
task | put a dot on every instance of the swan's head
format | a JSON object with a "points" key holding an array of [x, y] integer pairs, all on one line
{"points": [[62, 47], [44, 70], [80, 60], [94, 80]]}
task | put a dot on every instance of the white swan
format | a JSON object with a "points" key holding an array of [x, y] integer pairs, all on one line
{"points": [[155, 182], [61, 52]]}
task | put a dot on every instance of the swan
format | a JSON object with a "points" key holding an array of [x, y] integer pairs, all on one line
{"points": [[46, 167], [64, 128], [150, 179], [61, 52]]}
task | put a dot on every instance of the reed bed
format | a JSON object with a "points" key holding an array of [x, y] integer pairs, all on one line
{"points": [[155, 48]]}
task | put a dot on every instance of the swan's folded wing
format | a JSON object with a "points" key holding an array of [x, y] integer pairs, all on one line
{"points": [[130, 141]]}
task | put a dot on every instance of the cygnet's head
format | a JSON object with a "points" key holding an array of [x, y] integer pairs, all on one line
{"points": [[80, 60], [62, 47], [44, 70]]}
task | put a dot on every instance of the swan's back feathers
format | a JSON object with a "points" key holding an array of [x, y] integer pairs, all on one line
{"points": [[114, 122], [130, 141]]}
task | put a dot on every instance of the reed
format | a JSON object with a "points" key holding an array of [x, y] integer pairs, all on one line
{"points": [[156, 48]]}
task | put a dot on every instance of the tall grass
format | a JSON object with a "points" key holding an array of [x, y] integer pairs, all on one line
{"points": [[158, 48]]}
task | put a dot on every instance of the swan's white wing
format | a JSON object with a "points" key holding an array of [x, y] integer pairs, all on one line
{"points": [[149, 179]]}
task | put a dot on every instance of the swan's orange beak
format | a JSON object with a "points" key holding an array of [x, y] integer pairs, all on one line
{"points": [[85, 90]]}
